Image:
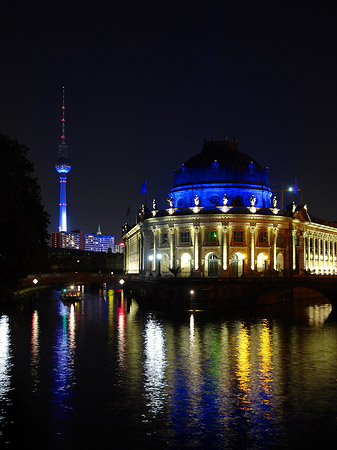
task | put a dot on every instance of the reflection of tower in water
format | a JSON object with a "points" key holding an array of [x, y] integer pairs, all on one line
{"points": [[63, 167]]}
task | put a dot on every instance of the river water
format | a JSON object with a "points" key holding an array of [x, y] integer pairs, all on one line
{"points": [[107, 374]]}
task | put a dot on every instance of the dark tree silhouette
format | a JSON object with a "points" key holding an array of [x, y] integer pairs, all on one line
{"points": [[23, 220]]}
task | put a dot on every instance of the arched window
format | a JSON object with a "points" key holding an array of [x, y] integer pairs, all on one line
{"points": [[261, 262], [213, 265], [165, 264], [238, 264], [185, 265], [279, 262]]}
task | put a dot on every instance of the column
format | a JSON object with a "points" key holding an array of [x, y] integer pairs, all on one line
{"points": [[314, 253], [308, 253], [329, 254], [127, 255], [172, 245], [252, 250], [293, 232], [154, 231], [224, 247], [275, 231], [324, 252], [196, 246], [319, 252], [333, 255], [304, 250]]}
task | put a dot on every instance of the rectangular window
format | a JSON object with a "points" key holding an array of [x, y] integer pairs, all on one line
{"points": [[263, 237], [164, 238], [238, 236], [211, 236], [185, 237]]}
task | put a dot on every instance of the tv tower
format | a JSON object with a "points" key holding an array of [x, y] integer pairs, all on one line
{"points": [[63, 167]]}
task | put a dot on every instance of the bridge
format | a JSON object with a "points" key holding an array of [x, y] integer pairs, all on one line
{"points": [[36, 282], [205, 293], [208, 293]]}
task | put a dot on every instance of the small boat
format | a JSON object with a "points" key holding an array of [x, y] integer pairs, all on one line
{"points": [[71, 293]]}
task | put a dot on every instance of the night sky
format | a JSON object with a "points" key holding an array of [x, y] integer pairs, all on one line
{"points": [[145, 85]]}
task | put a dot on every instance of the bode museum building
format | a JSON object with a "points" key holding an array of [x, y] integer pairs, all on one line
{"points": [[223, 220]]}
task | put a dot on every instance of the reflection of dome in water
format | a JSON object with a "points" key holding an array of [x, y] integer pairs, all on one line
{"points": [[221, 169]]}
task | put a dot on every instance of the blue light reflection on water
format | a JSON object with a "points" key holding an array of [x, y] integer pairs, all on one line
{"points": [[104, 370], [64, 358]]}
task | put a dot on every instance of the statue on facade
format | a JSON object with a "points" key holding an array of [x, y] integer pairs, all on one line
{"points": [[171, 202], [252, 201], [196, 201], [274, 201], [225, 200], [293, 207], [154, 204]]}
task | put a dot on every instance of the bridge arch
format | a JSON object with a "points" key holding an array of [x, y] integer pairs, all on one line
{"points": [[286, 294]]}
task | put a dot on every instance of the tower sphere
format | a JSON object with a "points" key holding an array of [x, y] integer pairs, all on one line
{"points": [[63, 165], [221, 169]]}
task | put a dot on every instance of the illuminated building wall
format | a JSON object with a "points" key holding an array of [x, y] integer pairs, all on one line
{"points": [[99, 242], [83, 241]]}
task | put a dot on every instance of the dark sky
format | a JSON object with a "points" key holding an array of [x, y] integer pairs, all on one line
{"points": [[145, 85]]}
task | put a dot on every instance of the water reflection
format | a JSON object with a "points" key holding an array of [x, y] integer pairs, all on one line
{"points": [[121, 331], [265, 358], [64, 355], [189, 380], [35, 349], [5, 361], [154, 365], [318, 314], [243, 365]]}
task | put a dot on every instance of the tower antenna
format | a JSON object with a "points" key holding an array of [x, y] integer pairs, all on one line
{"points": [[63, 120], [63, 167]]}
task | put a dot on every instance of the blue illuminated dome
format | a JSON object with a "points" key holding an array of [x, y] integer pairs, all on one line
{"points": [[221, 169]]}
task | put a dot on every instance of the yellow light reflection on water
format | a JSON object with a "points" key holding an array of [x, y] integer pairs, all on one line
{"points": [[35, 348], [243, 363], [111, 295], [265, 359]]}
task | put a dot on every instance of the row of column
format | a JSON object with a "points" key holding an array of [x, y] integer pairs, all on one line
{"points": [[319, 253], [223, 232]]}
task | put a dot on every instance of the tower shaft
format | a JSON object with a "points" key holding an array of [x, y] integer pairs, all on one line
{"points": [[63, 203]]}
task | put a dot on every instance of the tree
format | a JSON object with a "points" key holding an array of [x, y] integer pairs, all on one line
{"points": [[23, 220]]}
